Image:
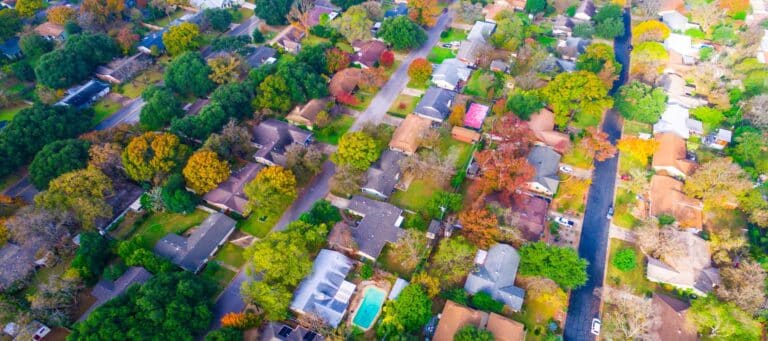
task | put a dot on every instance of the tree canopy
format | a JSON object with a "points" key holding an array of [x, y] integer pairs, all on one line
{"points": [[472, 333], [609, 21], [402, 33], [10, 23], [271, 187], [151, 156], [408, 313], [34, 45], [600, 59], [357, 150], [57, 158], [92, 256], [721, 320], [81, 192], [188, 75], [218, 18], [424, 12], [354, 24], [181, 38], [80, 56], [510, 30], [640, 102], [560, 264], [204, 171], [160, 108], [273, 11], [575, 94], [175, 196]]}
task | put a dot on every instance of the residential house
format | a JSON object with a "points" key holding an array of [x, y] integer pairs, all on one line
{"points": [[671, 156], [124, 69], [85, 95], [345, 82], [465, 135], [434, 228], [305, 115], [494, 273], [498, 65], [682, 55], [450, 74], [667, 198], [585, 11], [380, 224], [674, 324], [470, 49], [230, 194], [572, 47], [205, 4], [368, 53], [481, 31], [193, 252], [455, 317], [407, 136], [276, 331], [291, 40], [10, 4], [152, 42], [273, 137], [475, 116], [678, 92], [317, 12], [719, 139], [398, 10], [105, 290], [562, 26], [435, 104], [546, 162], [10, 48], [50, 31], [260, 55], [383, 175], [676, 119], [529, 215], [324, 292], [676, 21], [692, 270], [542, 124], [34, 330]]}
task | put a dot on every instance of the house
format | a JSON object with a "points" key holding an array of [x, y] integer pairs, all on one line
{"points": [[193, 252], [380, 224], [305, 115], [667, 198], [105, 290], [368, 53], [260, 55], [291, 40], [675, 21], [671, 5], [407, 136], [434, 229], [383, 175], [345, 82], [450, 73], [671, 156], [276, 331], [85, 95], [691, 270], [465, 135], [121, 70], [681, 52], [676, 119], [324, 292], [546, 162], [542, 124], [205, 4], [672, 315], [562, 26], [498, 65], [398, 10], [678, 92], [230, 195], [317, 12], [10, 48], [455, 317], [585, 11], [475, 116], [152, 42], [719, 139], [481, 31], [529, 215], [494, 273], [435, 104], [273, 137], [572, 47], [50, 31], [34, 330], [477, 38]]}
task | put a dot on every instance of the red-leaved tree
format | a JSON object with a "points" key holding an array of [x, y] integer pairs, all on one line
{"points": [[596, 143], [336, 59], [387, 59]]}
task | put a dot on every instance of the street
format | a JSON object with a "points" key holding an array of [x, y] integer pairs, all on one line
{"points": [[584, 305], [314, 191]]}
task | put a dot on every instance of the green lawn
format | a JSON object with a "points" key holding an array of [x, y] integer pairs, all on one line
{"points": [[332, 133], [625, 201], [312, 39], [627, 163], [479, 84], [449, 146], [582, 120], [162, 22], [218, 274], [635, 279], [363, 100], [417, 85], [635, 128], [103, 109], [403, 105], [536, 315], [453, 34], [231, 254], [258, 225], [7, 114], [439, 54], [577, 157], [571, 195], [157, 225], [239, 15], [415, 198], [134, 87]]}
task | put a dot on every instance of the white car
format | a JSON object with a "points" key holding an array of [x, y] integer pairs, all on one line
{"points": [[596, 324], [564, 221], [566, 169]]}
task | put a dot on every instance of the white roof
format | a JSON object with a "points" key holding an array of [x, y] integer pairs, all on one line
{"points": [[680, 43], [400, 284], [724, 135], [673, 120], [675, 20], [764, 41], [481, 31]]}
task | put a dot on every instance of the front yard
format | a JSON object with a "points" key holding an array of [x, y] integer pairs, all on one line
{"points": [[231, 254], [259, 224], [635, 128], [334, 130], [403, 105], [577, 157], [635, 278], [439, 54], [453, 34], [218, 274], [480, 84], [155, 226], [134, 87], [625, 202], [571, 195], [103, 109]]}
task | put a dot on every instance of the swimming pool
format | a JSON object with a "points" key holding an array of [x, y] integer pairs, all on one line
{"points": [[373, 298]]}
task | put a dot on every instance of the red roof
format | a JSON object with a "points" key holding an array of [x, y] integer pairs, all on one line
{"points": [[475, 116]]}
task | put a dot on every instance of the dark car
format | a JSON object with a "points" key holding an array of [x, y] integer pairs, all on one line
{"points": [[610, 212]]}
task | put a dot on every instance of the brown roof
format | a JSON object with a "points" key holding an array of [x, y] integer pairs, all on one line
{"points": [[49, 29], [542, 121], [674, 325], [671, 152], [370, 52], [407, 136], [542, 124], [306, 114], [230, 194], [345, 81], [531, 214], [455, 317], [465, 135], [667, 197], [672, 5], [504, 329]]}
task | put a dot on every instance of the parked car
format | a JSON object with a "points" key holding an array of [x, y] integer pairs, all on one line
{"points": [[626, 177], [564, 221], [448, 45], [566, 169], [610, 212], [596, 324]]}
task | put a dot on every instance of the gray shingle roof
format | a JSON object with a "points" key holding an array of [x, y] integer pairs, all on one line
{"points": [[546, 161], [324, 292], [85, 95], [496, 276], [436, 104], [380, 225], [193, 252], [259, 56], [384, 174], [16, 263], [278, 331], [11, 48], [230, 194], [274, 137]]}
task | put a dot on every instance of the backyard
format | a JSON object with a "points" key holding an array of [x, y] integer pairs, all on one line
{"points": [[453, 34], [333, 131], [439, 54], [536, 314], [155, 226], [415, 198], [480, 84], [218, 274], [403, 105], [231, 254], [388, 263]]}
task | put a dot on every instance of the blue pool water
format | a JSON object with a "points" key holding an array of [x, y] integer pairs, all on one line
{"points": [[369, 308]]}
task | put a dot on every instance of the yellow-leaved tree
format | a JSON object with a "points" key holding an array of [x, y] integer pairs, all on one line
{"points": [[152, 156], [204, 171]]}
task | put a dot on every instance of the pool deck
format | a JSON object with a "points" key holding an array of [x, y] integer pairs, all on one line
{"points": [[357, 299]]}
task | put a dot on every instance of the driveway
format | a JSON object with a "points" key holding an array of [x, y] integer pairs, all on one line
{"points": [[229, 300], [314, 191], [584, 305], [245, 28]]}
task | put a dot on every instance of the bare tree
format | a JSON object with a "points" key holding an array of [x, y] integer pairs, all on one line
{"points": [[743, 285], [299, 14], [30, 225], [658, 242], [233, 142], [629, 317], [647, 8], [755, 110], [429, 164], [107, 157], [638, 183], [346, 180], [303, 161], [54, 299], [706, 14], [409, 248]]}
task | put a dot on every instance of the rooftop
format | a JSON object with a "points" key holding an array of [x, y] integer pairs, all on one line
{"points": [[475, 116], [546, 162], [383, 175], [230, 194], [273, 137], [691, 270], [495, 274], [325, 292], [436, 104], [192, 252], [666, 197], [379, 225], [407, 136]]}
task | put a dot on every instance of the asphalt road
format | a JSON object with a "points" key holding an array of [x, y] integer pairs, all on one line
{"points": [[584, 305], [315, 191], [245, 28]]}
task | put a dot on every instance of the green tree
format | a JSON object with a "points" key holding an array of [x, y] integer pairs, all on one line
{"points": [[175, 196], [81, 192], [28, 8], [258, 37], [322, 212], [485, 302], [560, 264], [408, 313], [452, 261], [625, 260], [524, 103], [346, 4], [57, 158], [181, 38], [218, 18], [584, 30], [225, 334], [314, 56], [720, 320], [34, 45], [402, 33], [160, 108], [354, 24], [442, 203], [357, 150], [535, 6], [188, 75], [234, 99], [270, 189], [10, 23], [273, 11], [576, 93], [648, 59], [211, 118], [472, 333], [710, 117], [510, 30], [609, 21], [91, 257], [76, 61], [600, 59], [640, 102]]}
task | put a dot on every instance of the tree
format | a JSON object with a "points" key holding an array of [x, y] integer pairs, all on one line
{"points": [[292, 83], [188, 75], [650, 30], [485, 302], [630, 317], [600, 59], [218, 18], [224, 69], [300, 13], [718, 182], [234, 99], [560, 264], [103, 11], [452, 261], [660, 243], [322, 212], [420, 71], [535, 6], [60, 69], [744, 286], [637, 148], [10, 23], [524, 103], [356, 149], [81, 192], [91, 257], [544, 291], [231, 44], [233, 142], [272, 187], [28, 8], [648, 60], [470, 332], [721, 320], [273, 11], [609, 21], [596, 143], [444, 203], [126, 39], [303, 161], [374, 9], [625, 260], [354, 24], [510, 31], [576, 93], [160, 108], [57, 158], [505, 167], [240, 320], [640, 102], [60, 15], [402, 33], [151, 156], [175, 196], [225, 334], [337, 60], [480, 226], [182, 38], [584, 30], [710, 117], [408, 250], [210, 119], [204, 171], [34, 45], [258, 37], [749, 147], [314, 56], [410, 311], [346, 180], [458, 112], [470, 12], [387, 59], [424, 12], [754, 111]]}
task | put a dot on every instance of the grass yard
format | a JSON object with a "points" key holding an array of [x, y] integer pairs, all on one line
{"points": [[635, 278], [134, 87], [571, 196], [417, 85], [239, 15], [403, 105], [332, 133], [583, 121], [535, 316], [218, 274], [449, 146], [164, 21], [157, 225], [103, 109], [231, 254], [415, 198], [10, 179], [577, 157], [453, 34], [627, 163], [387, 262], [258, 225], [363, 100], [7, 114], [480, 83], [439, 54], [636, 128], [312, 39], [625, 201], [42, 275]]}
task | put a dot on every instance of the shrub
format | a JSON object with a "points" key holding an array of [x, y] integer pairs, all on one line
{"points": [[242, 320], [625, 260], [483, 301], [457, 295], [366, 271], [666, 219]]}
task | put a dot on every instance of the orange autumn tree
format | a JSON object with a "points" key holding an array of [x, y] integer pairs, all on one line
{"points": [[734, 6], [423, 12], [61, 14], [596, 143], [479, 226], [637, 148], [242, 320], [457, 115], [503, 164], [420, 70]]}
